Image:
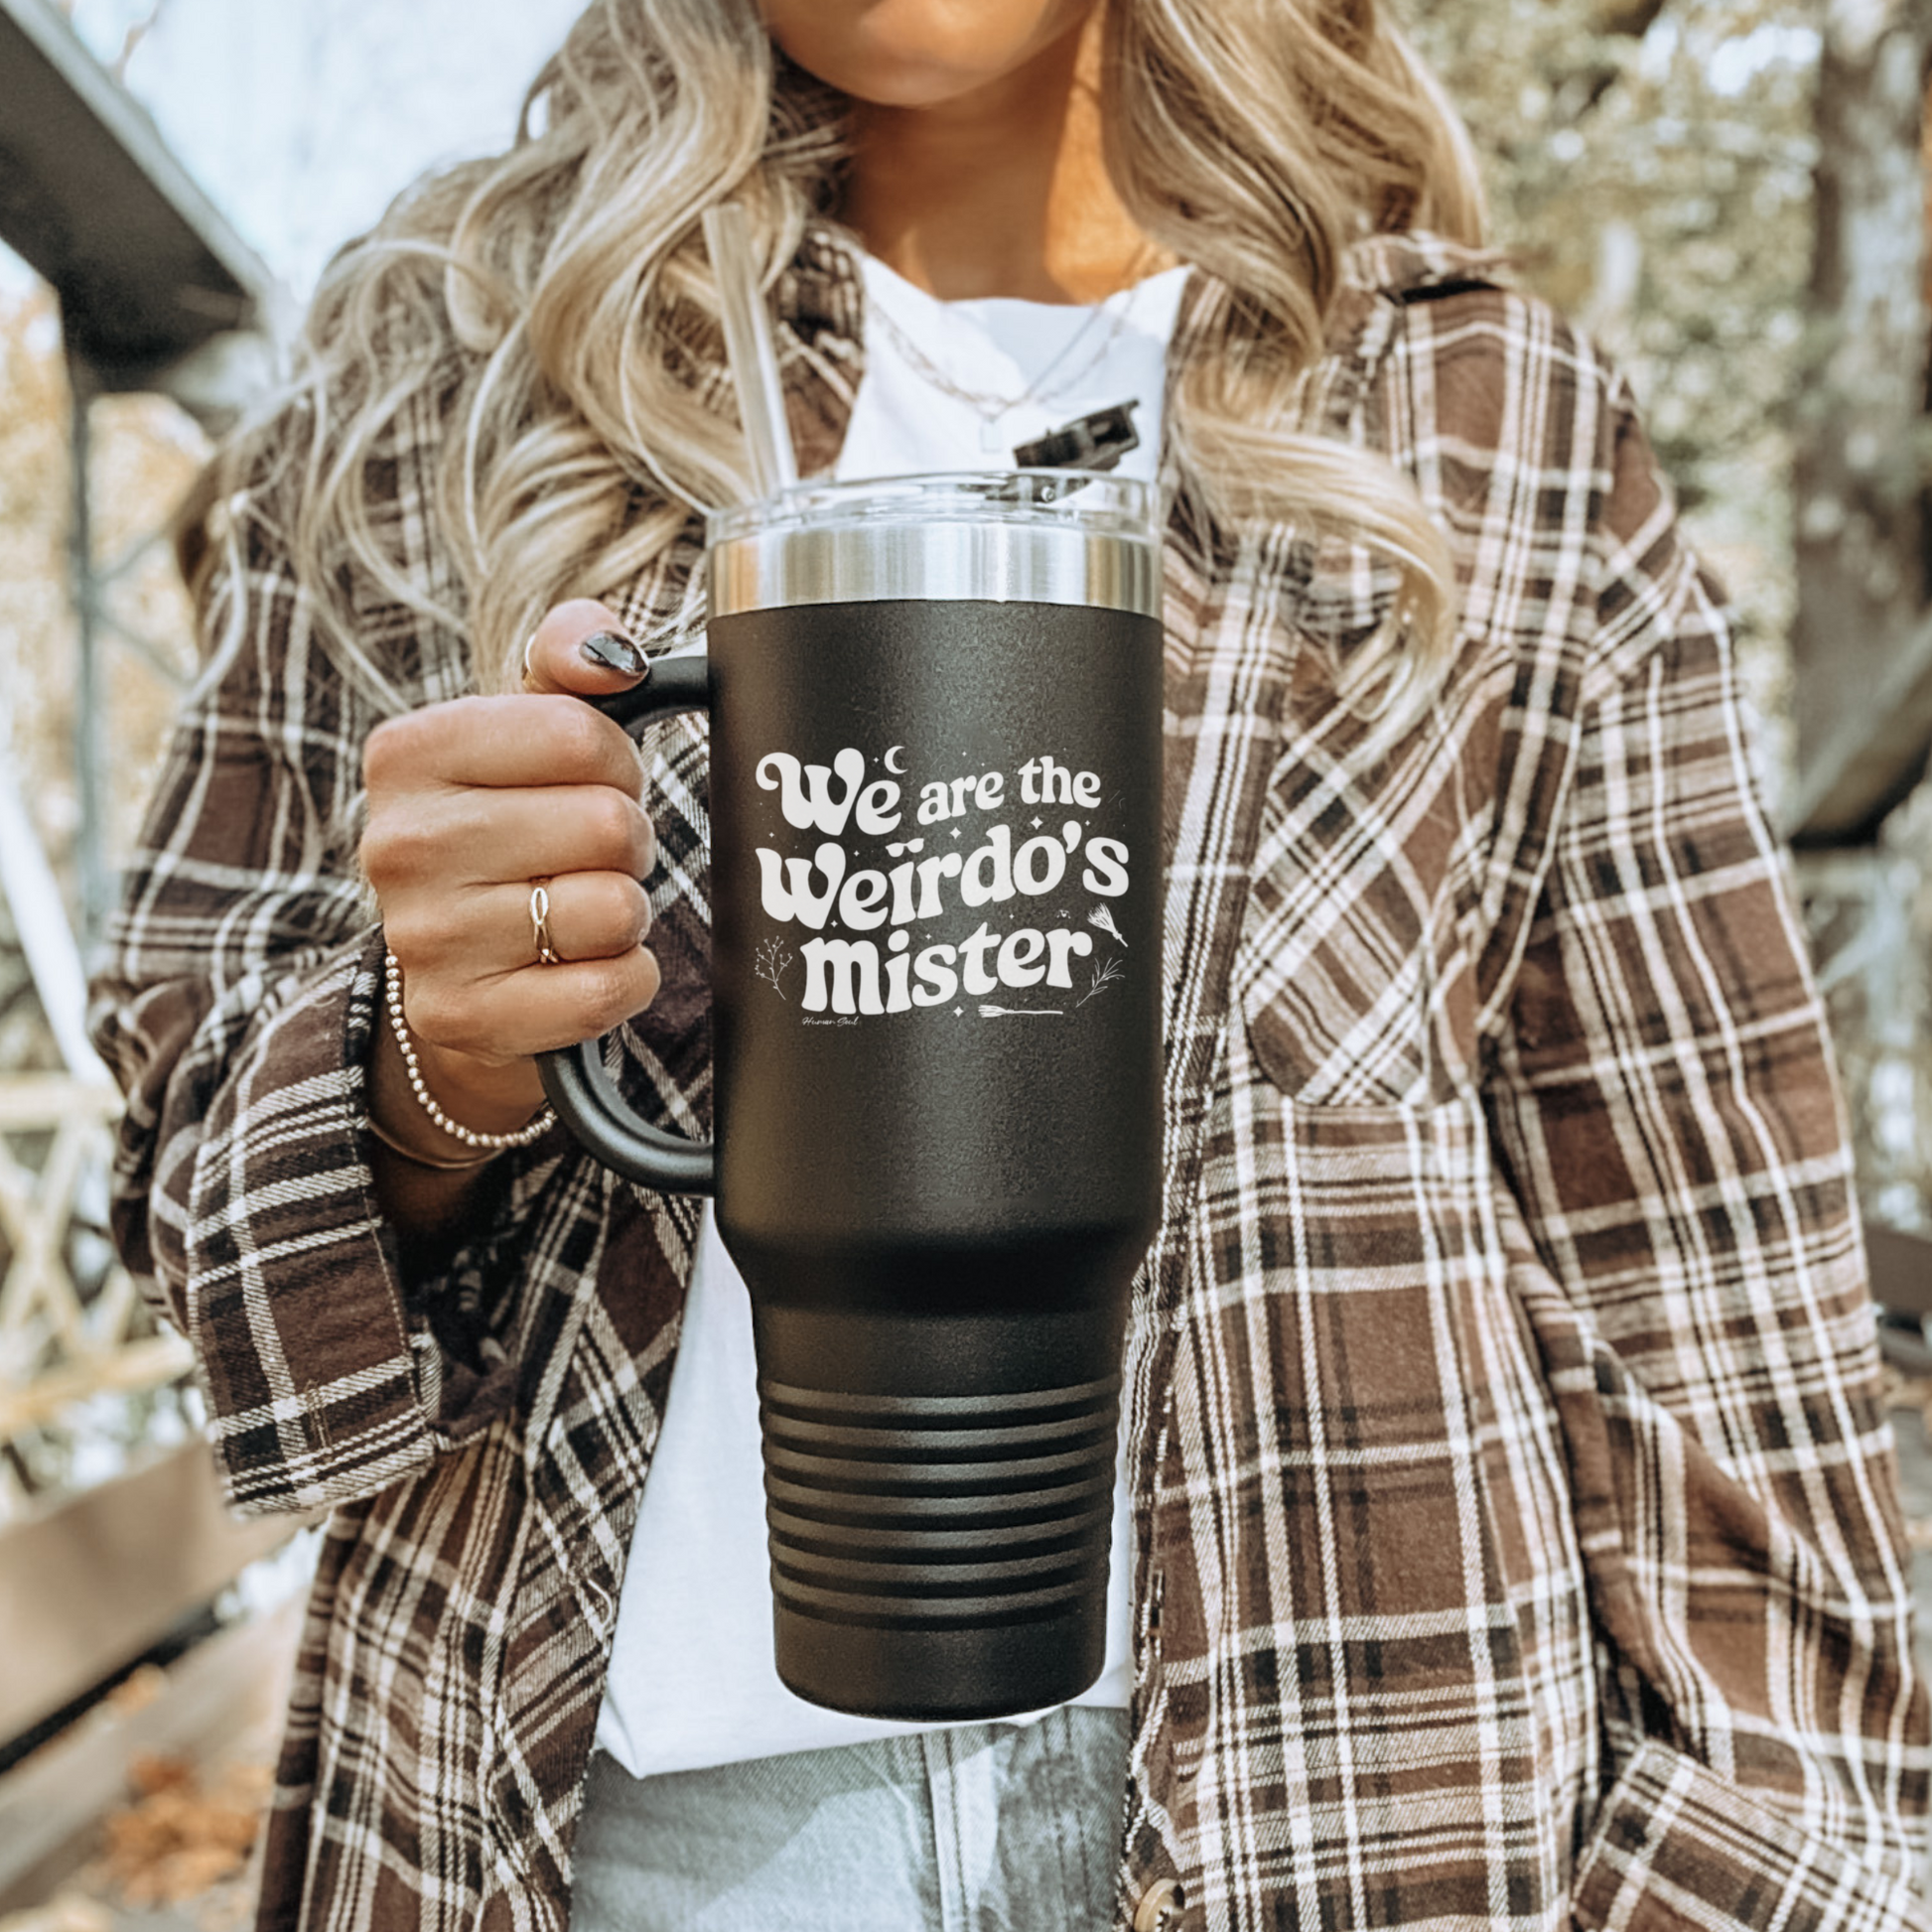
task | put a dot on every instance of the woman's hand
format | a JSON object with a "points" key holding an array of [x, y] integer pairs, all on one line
{"points": [[471, 804]]}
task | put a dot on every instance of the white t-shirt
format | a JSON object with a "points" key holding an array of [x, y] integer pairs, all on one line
{"points": [[692, 1681]]}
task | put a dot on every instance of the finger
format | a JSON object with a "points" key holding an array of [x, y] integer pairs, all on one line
{"points": [[591, 915], [500, 741], [536, 1011], [442, 843], [579, 648], [493, 930]]}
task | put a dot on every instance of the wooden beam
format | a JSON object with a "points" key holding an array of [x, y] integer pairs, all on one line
{"points": [[224, 1699], [1874, 731], [146, 268], [1901, 1268], [32, 1103], [40, 918], [89, 1585], [1862, 661], [150, 1363]]}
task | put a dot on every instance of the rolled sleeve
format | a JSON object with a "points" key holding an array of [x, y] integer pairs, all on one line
{"points": [[237, 1003], [314, 1382]]}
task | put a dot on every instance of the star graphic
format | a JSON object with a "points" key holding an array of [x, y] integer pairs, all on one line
{"points": [[1036, 825], [957, 1011], [955, 831]]}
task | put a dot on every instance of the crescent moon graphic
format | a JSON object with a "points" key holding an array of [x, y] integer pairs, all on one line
{"points": [[897, 770]]}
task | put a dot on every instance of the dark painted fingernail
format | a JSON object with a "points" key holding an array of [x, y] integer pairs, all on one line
{"points": [[615, 653]]}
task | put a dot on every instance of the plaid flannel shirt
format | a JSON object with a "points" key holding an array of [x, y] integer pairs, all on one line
{"points": [[1516, 1525]]}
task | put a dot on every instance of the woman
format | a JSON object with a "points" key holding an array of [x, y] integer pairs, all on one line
{"points": [[1513, 1536]]}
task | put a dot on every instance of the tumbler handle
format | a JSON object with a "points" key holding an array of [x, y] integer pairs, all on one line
{"points": [[579, 1087]]}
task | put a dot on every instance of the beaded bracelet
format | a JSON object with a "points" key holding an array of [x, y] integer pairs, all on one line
{"points": [[417, 1160], [522, 1137]]}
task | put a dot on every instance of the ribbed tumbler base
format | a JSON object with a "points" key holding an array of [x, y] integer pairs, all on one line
{"points": [[940, 1557]]}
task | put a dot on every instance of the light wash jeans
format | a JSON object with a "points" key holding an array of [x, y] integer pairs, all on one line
{"points": [[989, 1828]]}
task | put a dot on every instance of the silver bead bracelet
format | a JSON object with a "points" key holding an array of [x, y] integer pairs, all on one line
{"points": [[497, 1143]]}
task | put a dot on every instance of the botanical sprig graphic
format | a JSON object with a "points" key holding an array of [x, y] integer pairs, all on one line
{"points": [[1104, 919], [773, 960], [1103, 976]]}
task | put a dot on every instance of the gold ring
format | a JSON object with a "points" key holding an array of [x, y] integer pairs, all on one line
{"points": [[547, 954]]}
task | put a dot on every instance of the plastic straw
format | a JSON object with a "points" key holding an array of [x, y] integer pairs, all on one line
{"points": [[749, 347]]}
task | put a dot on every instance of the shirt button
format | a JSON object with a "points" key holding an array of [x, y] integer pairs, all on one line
{"points": [[1160, 1906]]}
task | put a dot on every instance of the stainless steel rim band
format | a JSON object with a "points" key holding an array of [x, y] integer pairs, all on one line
{"points": [[1003, 537], [871, 562]]}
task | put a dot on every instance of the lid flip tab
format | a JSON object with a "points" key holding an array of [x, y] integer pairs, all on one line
{"points": [[1097, 441]]}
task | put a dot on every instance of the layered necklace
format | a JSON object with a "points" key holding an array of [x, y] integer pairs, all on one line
{"points": [[1061, 375]]}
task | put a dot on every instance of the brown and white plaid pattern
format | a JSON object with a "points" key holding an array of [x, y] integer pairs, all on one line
{"points": [[1516, 1524]]}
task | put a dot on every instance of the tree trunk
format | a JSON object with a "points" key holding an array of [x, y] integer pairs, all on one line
{"points": [[1862, 655]]}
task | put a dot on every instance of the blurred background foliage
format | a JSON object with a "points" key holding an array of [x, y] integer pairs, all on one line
{"points": [[1650, 169]]}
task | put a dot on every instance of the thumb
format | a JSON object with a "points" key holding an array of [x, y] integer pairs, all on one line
{"points": [[580, 650]]}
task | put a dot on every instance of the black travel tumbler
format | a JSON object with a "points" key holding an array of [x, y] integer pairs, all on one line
{"points": [[934, 797]]}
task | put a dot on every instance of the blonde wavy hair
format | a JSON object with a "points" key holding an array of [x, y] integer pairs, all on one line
{"points": [[550, 314]]}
